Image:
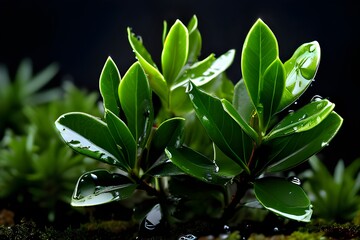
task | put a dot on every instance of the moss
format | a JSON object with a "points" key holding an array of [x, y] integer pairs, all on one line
{"points": [[110, 230]]}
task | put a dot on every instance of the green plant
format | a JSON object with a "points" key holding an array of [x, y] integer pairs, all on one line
{"points": [[37, 172], [26, 89], [335, 197], [246, 126]]}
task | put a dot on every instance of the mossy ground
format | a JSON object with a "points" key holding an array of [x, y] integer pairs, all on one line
{"points": [[116, 229]]}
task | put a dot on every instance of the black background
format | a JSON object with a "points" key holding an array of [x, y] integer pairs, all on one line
{"points": [[80, 35]]}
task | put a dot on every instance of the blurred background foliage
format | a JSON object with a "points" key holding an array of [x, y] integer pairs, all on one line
{"points": [[38, 171]]}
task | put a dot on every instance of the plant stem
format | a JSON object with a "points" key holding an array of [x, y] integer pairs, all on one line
{"points": [[242, 186]]}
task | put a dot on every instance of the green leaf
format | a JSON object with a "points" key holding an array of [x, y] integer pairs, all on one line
{"points": [[229, 108], [109, 84], [242, 103], [91, 137], [303, 119], [300, 72], [42, 78], [156, 79], [163, 168], [221, 87], [99, 187], [24, 71], [206, 70], [226, 166], [195, 41], [136, 102], [165, 31], [195, 164], [283, 198], [271, 91], [169, 133], [259, 51], [175, 51], [292, 150], [221, 128], [123, 137]]}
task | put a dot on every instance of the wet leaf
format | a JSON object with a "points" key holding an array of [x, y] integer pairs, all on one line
{"points": [[300, 69], [259, 51], [123, 137], [99, 187], [303, 119], [175, 51], [271, 91], [169, 133], [221, 128], [136, 102], [164, 168], [195, 41], [228, 107], [109, 84], [156, 79], [195, 164], [91, 137], [242, 102], [206, 70], [292, 150], [283, 198]]}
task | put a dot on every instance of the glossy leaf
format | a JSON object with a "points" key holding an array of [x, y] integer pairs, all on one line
{"points": [[179, 102], [226, 166], [290, 151], [169, 133], [195, 41], [300, 70], [206, 70], [221, 87], [259, 51], [123, 137], [136, 102], [242, 102], [91, 137], [221, 128], [156, 79], [195, 164], [163, 168], [271, 91], [99, 187], [229, 108], [303, 119], [109, 84], [283, 198], [175, 51]]}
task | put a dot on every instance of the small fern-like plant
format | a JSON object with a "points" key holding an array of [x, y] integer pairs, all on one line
{"points": [[335, 197]]}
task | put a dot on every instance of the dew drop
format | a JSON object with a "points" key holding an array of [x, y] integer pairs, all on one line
{"points": [[312, 48], [189, 88], [188, 237], [324, 144], [294, 180], [316, 98]]}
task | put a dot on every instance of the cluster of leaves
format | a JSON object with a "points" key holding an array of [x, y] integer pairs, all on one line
{"points": [[247, 134], [37, 172], [335, 197]]}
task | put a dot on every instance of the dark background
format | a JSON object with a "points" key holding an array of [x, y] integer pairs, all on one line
{"points": [[80, 35]]}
